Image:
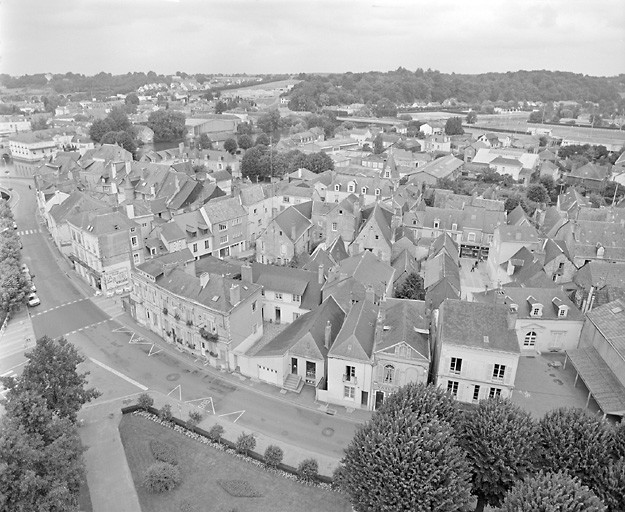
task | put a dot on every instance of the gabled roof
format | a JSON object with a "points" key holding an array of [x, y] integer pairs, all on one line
{"points": [[252, 194], [378, 216], [404, 320], [444, 243], [525, 233], [172, 232], [517, 217], [222, 209], [156, 266], [356, 339], [554, 248], [75, 203], [610, 321], [305, 337], [337, 249], [292, 223], [304, 283], [590, 171], [441, 267], [404, 264], [476, 325]]}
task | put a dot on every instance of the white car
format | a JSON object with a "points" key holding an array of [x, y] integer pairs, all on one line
{"points": [[33, 300]]}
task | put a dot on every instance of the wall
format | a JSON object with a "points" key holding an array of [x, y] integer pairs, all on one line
{"points": [[544, 330], [336, 370]]}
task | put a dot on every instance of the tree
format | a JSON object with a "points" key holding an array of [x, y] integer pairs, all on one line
{"points": [[204, 142], [118, 120], [612, 483], [263, 139], [537, 193], [122, 139], [471, 117], [273, 455], [500, 441], [318, 162], [98, 129], [411, 288], [131, 99], [551, 492], [378, 144], [51, 371], [38, 123], [252, 163], [577, 442], [245, 128], [535, 117], [405, 462], [220, 107], [269, 123], [168, 125], [230, 145], [245, 141], [453, 126], [14, 284]]}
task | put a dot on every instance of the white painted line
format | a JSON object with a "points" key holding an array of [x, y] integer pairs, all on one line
{"points": [[7, 373], [119, 374], [240, 413], [179, 388], [152, 353], [16, 366]]}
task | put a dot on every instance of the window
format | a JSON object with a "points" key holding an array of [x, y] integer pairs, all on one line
{"points": [[254, 306], [297, 298], [494, 392], [349, 392], [337, 187], [452, 387], [194, 247], [562, 311], [437, 223], [536, 310], [456, 365], [387, 174], [236, 222], [377, 191], [454, 227], [334, 226], [351, 187], [223, 227], [133, 241], [223, 239], [530, 339], [135, 258], [363, 190], [206, 244], [340, 212], [389, 374], [278, 296], [286, 199], [350, 374], [476, 393], [471, 237], [153, 251], [499, 371]]}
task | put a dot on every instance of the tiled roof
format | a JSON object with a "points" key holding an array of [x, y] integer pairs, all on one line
{"points": [[356, 339], [76, 202], [403, 321], [172, 232], [590, 171], [156, 266], [524, 233], [296, 281], [476, 325], [290, 219], [610, 320], [222, 209]]}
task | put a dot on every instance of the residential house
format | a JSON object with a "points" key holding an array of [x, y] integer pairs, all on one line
{"points": [[507, 240], [288, 293], [589, 176], [298, 354], [447, 167], [475, 350], [590, 240], [105, 247], [211, 316], [198, 236], [376, 233], [557, 261], [437, 144], [599, 282], [600, 358], [256, 201], [287, 236], [507, 160], [370, 186], [342, 219], [404, 264], [227, 220], [441, 279], [402, 348], [551, 170], [432, 128], [545, 319], [33, 146]]}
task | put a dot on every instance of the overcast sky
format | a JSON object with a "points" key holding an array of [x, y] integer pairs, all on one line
{"points": [[291, 36]]}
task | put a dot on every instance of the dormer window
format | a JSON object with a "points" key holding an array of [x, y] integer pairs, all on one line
{"points": [[454, 227], [363, 190], [561, 308], [562, 312], [536, 308], [437, 223], [387, 174], [337, 187], [351, 187], [377, 191]]}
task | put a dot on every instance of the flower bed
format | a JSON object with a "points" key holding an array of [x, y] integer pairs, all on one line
{"points": [[239, 488]]}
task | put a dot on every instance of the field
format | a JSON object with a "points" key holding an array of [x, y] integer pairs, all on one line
{"points": [[210, 477]]}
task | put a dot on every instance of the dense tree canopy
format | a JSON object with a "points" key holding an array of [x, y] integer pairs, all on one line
{"points": [[168, 125], [411, 288], [453, 126], [121, 138]]}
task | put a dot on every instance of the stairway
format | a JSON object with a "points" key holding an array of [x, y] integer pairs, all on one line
{"points": [[293, 383]]}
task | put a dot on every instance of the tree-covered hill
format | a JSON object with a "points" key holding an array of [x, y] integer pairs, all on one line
{"points": [[403, 87]]}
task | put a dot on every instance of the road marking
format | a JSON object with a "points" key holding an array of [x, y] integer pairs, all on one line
{"points": [[7, 374], [16, 366], [119, 374], [240, 413], [203, 403], [179, 388], [57, 307]]}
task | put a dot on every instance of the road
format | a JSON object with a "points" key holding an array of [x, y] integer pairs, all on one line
{"points": [[86, 322]]}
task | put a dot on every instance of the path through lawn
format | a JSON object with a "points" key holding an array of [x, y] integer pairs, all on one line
{"points": [[201, 466]]}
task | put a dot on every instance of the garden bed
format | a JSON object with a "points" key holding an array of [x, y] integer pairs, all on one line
{"points": [[203, 466]]}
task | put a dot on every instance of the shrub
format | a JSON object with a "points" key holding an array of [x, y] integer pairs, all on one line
{"points": [[163, 451], [144, 401], [161, 477], [186, 506], [239, 488], [273, 455], [215, 432], [308, 469], [194, 418], [245, 443], [338, 477], [165, 413]]}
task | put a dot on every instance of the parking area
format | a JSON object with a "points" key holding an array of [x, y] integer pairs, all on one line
{"points": [[542, 384]]}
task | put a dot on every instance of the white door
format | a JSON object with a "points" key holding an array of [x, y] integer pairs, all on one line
{"points": [[267, 375]]}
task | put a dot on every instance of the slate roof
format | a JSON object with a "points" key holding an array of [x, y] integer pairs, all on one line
{"points": [[442, 167], [469, 324], [305, 336], [444, 242], [304, 283], [548, 297], [251, 195], [76, 202], [524, 233], [500, 160], [337, 249], [172, 232], [553, 249], [292, 218], [102, 223], [403, 319], [441, 267], [156, 266], [610, 320], [223, 209], [381, 217], [356, 339], [589, 171], [517, 217]]}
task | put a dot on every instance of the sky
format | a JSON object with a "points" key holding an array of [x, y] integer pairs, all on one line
{"points": [[293, 36]]}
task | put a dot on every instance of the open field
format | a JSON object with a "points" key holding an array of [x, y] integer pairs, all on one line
{"points": [[201, 466]]}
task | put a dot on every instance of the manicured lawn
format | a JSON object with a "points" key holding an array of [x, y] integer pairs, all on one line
{"points": [[202, 466]]}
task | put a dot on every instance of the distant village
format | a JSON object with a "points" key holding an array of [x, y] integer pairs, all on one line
{"points": [[410, 258]]}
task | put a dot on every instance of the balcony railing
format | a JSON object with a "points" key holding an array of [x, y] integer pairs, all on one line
{"points": [[351, 379]]}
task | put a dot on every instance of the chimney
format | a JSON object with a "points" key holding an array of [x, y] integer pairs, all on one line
{"points": [[370, 294], [113, 170], [293, 233], [152, 190], [299, 172], [204, 278], [513, 314], [327, 335], [320, 274], [128, 167], [181, 148], [130, 211], [246, 273], [235, 294]]}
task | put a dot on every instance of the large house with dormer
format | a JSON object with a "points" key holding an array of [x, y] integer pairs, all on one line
{"points": [[227, 220]]}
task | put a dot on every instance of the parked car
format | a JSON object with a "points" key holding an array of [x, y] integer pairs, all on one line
{"points": [[33, 300], [31, 286]]}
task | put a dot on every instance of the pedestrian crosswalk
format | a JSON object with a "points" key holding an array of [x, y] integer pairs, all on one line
{"points": [[28, 232]]}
